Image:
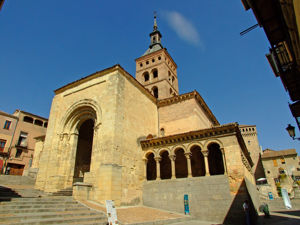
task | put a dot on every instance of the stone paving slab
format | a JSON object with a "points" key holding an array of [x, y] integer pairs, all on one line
{"points": [[141, 214]]}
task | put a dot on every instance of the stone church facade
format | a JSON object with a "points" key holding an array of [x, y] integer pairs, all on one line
{"points": [[138, 141]]}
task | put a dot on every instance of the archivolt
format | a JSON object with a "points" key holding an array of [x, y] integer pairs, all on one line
{"points": [[80, 112]]}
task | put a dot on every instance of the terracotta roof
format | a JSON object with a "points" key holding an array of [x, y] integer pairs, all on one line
{"points": [[8, 115], [269, 153], [31, 114]]}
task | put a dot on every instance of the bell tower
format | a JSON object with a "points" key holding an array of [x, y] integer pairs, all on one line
{"points": [[156, 70]]}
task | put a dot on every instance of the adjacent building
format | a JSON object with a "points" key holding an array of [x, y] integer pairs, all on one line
{"points": [[17, 139], [8, 125], [281, 169], [281, 23]]}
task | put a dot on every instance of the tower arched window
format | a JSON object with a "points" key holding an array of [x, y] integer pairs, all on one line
{"points": [[155, 73], [146, 76], [155, 91]]}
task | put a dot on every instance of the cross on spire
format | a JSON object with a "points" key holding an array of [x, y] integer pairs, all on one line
{"points": [[155, 24]]}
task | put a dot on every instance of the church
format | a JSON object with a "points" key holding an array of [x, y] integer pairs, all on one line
{"points": [[138, 141]]}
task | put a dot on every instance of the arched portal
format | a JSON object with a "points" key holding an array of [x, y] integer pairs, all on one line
{"points": [[215, 159], [165, 166], [84, 150], [197, 162], [151, 167], [180, 164]]}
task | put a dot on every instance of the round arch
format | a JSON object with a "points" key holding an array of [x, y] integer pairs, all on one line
{"points": [[211, 141], [215, 159], [165, 164], [197, 160], [78, 113]]}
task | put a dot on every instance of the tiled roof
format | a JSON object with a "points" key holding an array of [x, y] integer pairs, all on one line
{"points": [[269, 153]]}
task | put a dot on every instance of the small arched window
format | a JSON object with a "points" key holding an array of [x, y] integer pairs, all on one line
{"points": [[146, 76], [28, 119], [162, 132], [38, 122], [155, 91], [155, 73]]}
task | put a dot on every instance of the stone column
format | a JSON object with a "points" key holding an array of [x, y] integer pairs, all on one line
{"points": [[189, 166], [145, 168], [224, 161], [157, 160], [172, 158], [205, 154]]}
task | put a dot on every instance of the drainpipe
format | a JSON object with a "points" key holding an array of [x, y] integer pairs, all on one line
{"points": [[9, 148]]}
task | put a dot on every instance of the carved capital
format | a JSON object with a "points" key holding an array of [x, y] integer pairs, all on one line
{"points": [[187, 155], [205, 153], [145, 160], [157, 158], [172, 157]]}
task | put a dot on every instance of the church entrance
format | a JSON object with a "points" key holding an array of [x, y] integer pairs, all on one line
{"points": [[84, 150]]}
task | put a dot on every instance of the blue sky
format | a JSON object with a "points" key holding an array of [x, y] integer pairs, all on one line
{"points": [[47, 44]]}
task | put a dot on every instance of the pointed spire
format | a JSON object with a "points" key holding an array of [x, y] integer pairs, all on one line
{"points": [[155, 24]]}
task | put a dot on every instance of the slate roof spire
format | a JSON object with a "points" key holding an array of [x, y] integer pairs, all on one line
{"points": [[155, 38]]}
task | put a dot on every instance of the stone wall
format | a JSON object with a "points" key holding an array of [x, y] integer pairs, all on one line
{"points": [[209, 197], [182, 117]]}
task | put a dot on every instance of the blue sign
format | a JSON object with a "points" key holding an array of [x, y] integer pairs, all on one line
{"points": [[186, 205], [270, 196]]}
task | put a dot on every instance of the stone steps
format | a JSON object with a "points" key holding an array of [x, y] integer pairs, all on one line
{"points": [[48, 210]]}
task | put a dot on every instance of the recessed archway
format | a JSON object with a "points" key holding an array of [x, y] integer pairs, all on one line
{"points": [[84, 149], [151, 167], [180, 164], [215, 159], [197, 161], [165, 166]]}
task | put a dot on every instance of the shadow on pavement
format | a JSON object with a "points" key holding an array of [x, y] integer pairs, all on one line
{"points": [[293, 213]]}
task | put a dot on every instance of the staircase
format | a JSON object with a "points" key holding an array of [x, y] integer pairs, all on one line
{"points": [[48, 210], [6, 194], [64, 192]]}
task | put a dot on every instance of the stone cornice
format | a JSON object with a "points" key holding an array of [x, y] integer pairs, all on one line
{"points": [[221, 130], [187, 96]]}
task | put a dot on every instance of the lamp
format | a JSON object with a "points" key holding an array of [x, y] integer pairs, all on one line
{"points": [[291, 130]]}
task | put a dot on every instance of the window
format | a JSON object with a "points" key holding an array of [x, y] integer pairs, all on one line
{"points": [[276, 180], [159, 58], [7, 125], [298, 169], [281, 170], [28, 119], [155, 73], [147, 62], [2, 145], [275, 162], [153, 60], [162, 132], [141, 65], [18, 153], [22, 139], [282, 161], [155, 92], [46, 124], [38, 122], [146, 76]]}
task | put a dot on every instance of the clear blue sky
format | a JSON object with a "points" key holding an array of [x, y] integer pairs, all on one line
{"points": [[47, 44]]}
